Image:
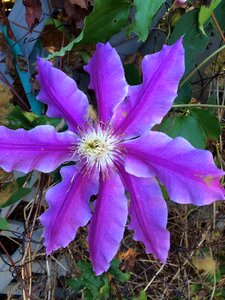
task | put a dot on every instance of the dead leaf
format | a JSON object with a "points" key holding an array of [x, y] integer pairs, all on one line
{"points": [[75, 13], [205, 263], [52, 39], [5, 103], [130, 258], [33, 12], [92, 113], [7, 186], [81, 3], [4, 21]]}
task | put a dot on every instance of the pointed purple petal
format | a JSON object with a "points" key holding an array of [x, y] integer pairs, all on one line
{"points": [[148, 102], [68, 207], [41, 148], [189, 174], [107, 80], [108, 222], [148, 212], [61, 94]]}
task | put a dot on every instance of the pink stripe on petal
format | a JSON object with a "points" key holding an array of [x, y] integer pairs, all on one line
{"points": [[148, 102], [107, 79], [68, 207], [108, 222], [189, 174], [61, 94], [148, 212], [41, 148]]}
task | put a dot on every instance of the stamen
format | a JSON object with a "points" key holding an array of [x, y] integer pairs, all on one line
{"points": [[98, 147]]}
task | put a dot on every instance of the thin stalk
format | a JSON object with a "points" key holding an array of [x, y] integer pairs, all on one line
{"points": [[198, 105], [201, 65], [218, 27]]}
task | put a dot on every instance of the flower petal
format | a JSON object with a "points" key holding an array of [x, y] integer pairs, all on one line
{"points": [[148, 212], [107, 80], [68, 207], [148, 102], [189, 174], [41, 148], [108, 222], [61, 94]]}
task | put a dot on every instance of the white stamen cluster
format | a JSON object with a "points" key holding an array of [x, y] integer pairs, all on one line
{"points": [[98, 147]]}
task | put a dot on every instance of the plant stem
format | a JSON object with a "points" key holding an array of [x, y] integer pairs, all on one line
{"points": [[201, 65], [197, 105], [218, 27]]}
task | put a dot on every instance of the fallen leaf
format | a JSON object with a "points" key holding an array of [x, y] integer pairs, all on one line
{"points": [[75, 13], [81, 3], [52, 39], [5, 103], [205, 263], [129, 257], [33, 12]]}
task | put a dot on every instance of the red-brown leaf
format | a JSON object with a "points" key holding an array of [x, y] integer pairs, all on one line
{"points": [[33, 12]]}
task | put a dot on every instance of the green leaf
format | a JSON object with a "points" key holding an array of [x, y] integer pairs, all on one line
{"points": [[208, 121], [17, 119], [18, 195], [3, 224], [184, 94], [205, 13], [92, 286], [186, 127], [194, 41], [106, 19], [145, 12], [220, 13], [132, 75], [116, 273], [142, 296], [27, 120]]}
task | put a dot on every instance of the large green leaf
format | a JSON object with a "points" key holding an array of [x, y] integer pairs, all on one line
{"points": [[184, 94], [194, 41], [208, 121], [3, 224], [220, 13], [205, 13], [132, 75], [186, 127], [145, 11], [106, 19]]}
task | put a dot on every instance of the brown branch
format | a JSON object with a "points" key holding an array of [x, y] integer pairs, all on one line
{"points": [[218, 26]]}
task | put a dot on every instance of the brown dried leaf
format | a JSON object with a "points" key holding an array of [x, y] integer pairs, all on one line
{"points": [[5, 103], [92, 113], [81, 3], [7, 187], [75, 13], [130, 258], [205, 263], [3, 44], [52, 38], [4, 21], [33, 12]]}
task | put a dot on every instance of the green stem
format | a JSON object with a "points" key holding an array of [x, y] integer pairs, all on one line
{"points": [[198, 105], [200, 65]]}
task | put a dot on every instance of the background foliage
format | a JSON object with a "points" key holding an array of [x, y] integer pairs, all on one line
{"points": [[67, 31]]}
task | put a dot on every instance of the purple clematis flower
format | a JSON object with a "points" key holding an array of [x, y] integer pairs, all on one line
{"points": [[114, 154]]}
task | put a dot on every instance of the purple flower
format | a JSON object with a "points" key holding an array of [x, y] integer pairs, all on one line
{"points": [[116, 152]]}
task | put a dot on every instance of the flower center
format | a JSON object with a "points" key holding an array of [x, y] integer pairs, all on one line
{"points": [[98, 147]]}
